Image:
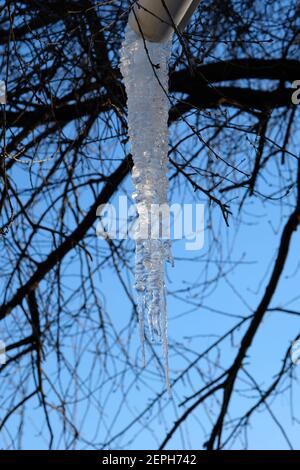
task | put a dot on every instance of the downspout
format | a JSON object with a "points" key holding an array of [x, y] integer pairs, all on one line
{"points": [[156, 20]]}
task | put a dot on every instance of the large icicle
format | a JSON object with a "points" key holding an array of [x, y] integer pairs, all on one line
{"points": [[144, 66]]}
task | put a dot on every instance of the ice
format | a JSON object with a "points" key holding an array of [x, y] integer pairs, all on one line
{"points": [[2, 92], [144, 66]]}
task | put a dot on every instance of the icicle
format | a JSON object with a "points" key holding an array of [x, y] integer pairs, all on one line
{"points": [[144, 66]]}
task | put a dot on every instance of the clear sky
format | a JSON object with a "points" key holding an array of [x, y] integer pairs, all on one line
{"points": [[196, 318], [254, 244]]}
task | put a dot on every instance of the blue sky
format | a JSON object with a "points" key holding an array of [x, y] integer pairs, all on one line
{"points": [[255, 244], [193, 326]]}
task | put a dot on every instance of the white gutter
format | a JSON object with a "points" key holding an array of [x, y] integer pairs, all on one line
{"points": [[156, 20]]}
